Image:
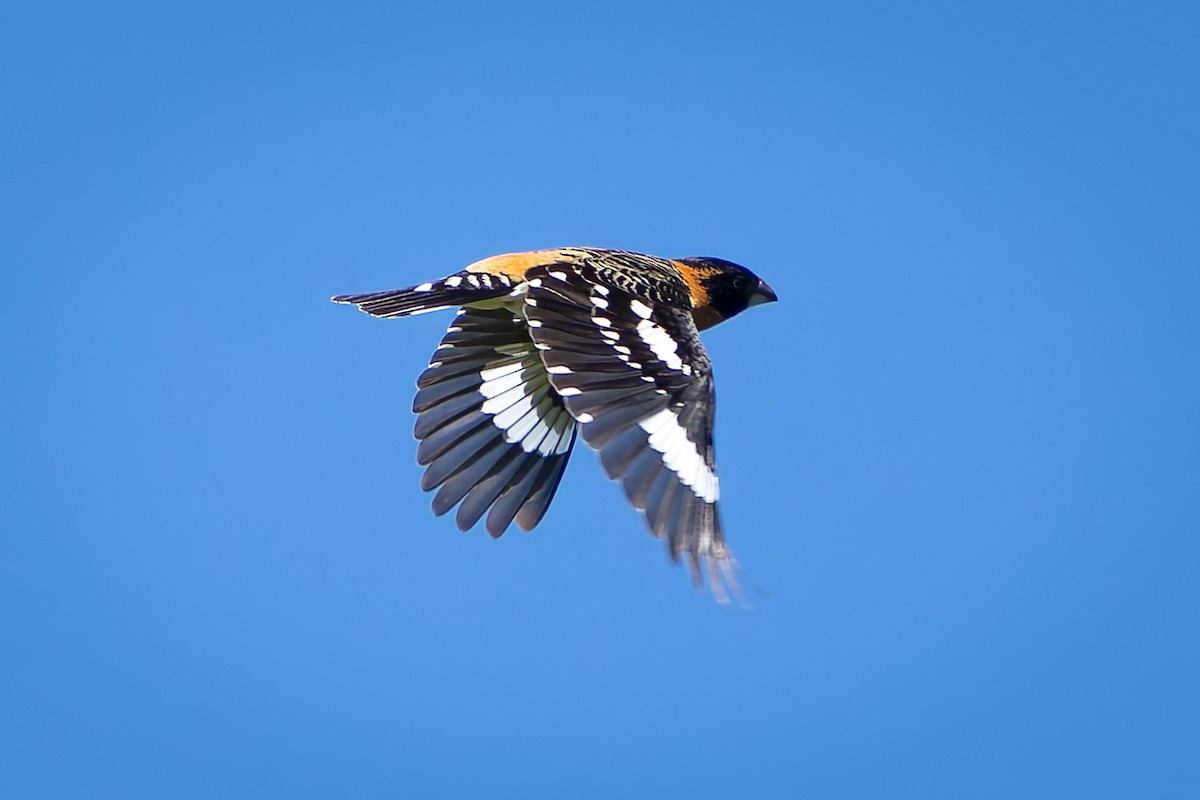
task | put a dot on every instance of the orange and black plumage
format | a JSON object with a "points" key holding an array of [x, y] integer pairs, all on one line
{"points": [[550, 343]]}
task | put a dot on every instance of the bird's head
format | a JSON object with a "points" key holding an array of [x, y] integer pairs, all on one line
{"points": [[727, 289]]}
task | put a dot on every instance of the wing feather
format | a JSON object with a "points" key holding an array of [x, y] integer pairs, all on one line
{"points": [[494, 435], [633, 373]]}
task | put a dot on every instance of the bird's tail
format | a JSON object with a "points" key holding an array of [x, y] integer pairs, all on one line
{"points": [[458, 289]]}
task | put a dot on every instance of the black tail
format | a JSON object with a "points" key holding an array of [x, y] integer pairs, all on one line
{"points": [[457, 290]]}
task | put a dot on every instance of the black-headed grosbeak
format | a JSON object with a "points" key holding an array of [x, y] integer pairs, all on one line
{"points": [[551, 342]]}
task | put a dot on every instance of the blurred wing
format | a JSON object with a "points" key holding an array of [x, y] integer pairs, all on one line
{"points": [[493, 432], [636, 377]]}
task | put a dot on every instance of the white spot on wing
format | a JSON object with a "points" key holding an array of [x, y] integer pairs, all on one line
{"points": [[641, 309], [653, 424], [453, 281], [492, 373], [499, 384], [424, 287], [504, 400], [511, 415], [661, 343]]}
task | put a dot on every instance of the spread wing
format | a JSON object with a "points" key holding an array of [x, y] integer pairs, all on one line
{"points": [[493, 433], [633, 373]]}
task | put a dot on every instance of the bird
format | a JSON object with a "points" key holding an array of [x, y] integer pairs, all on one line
{"points": [[548, 344]]}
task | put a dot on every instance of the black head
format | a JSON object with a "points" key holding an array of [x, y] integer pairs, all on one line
{"points": [[731, 289]]}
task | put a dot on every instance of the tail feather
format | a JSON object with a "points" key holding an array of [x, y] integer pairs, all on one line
{"points": [[456, 290]]}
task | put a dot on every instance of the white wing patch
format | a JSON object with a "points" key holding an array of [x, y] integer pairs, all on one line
{"points": [[680, 455], [521, 404]]}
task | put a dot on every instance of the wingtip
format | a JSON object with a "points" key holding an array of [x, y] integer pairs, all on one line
{"points": [[718, 573]]}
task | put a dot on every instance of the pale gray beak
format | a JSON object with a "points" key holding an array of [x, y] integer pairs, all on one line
{"points": [[763, 294]]}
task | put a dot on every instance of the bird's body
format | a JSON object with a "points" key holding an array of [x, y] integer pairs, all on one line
{"points": [[554, 342]]}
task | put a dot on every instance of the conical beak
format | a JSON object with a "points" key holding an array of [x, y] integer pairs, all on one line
{"points": [[763, 294]]}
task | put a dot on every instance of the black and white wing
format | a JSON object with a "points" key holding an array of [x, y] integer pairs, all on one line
{"points": [[493, 432], [635, 375]]}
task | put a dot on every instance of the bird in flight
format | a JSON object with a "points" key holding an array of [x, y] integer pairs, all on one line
{"points": [[549, 343]]}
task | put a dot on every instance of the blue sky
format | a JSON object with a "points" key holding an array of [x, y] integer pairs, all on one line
{"points": [[959, 458]]}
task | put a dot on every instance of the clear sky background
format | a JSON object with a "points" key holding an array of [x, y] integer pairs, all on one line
{"points": [[959, 457]]}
